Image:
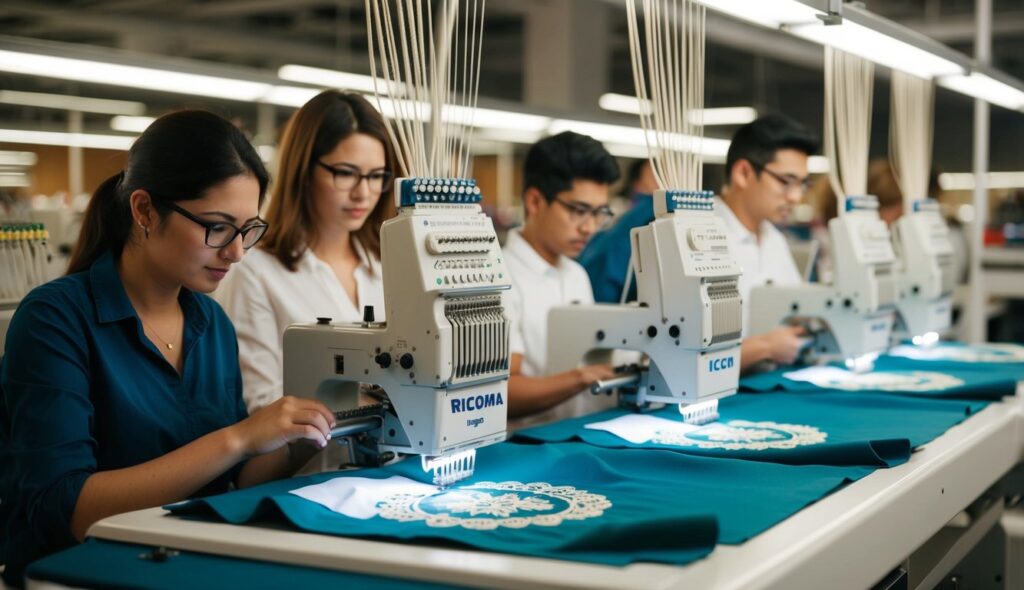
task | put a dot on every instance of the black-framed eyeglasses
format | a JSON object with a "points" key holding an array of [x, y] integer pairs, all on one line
{"points": [[221, 233], [347, 178], [789, 182], [578, 212]]}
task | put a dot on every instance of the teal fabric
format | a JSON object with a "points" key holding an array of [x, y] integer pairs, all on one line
{"points": [[1005, 369], [665, 507], [877, 431], [106, 564], [973, 385]]}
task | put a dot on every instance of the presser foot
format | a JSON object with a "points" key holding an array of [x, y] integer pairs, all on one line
{"points": [[449, 469], [700, 412]]}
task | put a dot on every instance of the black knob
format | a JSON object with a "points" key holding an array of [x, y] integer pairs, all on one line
{"points": [[368, 314], [405, 361], [652, 331], [323, 321], [383, 359], [847, 303], [674, 331], [600, 335]]}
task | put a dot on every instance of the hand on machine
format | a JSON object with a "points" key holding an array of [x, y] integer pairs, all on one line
{"points": [[439, 364]]}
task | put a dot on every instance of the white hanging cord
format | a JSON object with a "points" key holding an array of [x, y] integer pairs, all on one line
{"points": [[672, 84], [432, 77], [849, 83], [910, 135]]}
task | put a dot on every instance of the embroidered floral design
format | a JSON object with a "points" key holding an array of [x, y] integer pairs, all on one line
{"points": [[489, 505], [737, 435], [906, 381], [505, 505], [976, 353]]}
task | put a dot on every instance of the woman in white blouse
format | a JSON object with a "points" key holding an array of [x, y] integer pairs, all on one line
{"points": [[321, 254]]}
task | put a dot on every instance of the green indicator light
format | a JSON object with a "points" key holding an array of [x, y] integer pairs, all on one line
{"points": [[438, 280]]}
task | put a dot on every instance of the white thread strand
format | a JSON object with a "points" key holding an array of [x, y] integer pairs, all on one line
{"points": [[432, 77], [849, 83], [670, 87], [911, 130]]}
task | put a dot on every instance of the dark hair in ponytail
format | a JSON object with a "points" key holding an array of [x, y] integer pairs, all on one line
{"points": [[179, 157]]}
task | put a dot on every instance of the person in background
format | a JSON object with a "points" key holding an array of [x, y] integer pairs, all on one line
{"points": [[640, 183], [321, 255], [566, 181], [766, 175], [120, 387]]}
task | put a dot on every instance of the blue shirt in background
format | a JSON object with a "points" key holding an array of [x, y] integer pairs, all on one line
{"points": [[606, 257], [83, 390]]}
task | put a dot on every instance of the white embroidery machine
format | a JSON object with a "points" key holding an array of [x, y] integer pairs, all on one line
{"points": [[441, 358], [852, 317], [686, 321], [924, 264]]}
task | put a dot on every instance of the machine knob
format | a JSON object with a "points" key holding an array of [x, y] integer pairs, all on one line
{"points": [[368, 314], [323, 321], [383, 359], [405, 361]]}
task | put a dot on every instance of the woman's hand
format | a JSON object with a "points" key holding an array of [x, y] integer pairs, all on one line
{"points": [[286, 420]]}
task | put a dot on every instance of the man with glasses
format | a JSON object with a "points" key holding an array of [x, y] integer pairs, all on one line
{"points": [[765, 176], [565, 195]]}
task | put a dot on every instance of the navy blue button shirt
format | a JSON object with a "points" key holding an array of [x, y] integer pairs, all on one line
{"points": [[606, 257], [83, 390]]}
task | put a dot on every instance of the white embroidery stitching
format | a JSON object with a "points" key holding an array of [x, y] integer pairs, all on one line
{"points": [[737, 435], [891, 381], [981, 353], [477, 500]]}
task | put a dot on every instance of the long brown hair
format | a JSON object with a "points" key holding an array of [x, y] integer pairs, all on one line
{"points": [[179, 157], [315, 130]]}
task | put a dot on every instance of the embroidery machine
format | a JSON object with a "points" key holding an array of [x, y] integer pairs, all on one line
{"points": [[439, 363], [686, 320], [924, 261], [852, 317], [924, 254]]}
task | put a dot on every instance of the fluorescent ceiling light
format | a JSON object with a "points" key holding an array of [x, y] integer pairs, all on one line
{"points": [[711, 148], [508, 135], [964, 181], [329, 78], [621, 103], [66, 68], [14, 179], [17, 159], [72, 103], [878, 48], [289, 96], [130, 124], [817, 164], [625, 150], [86, 140], [495, 119], [714, 116], [986, 88], [767, 13]]}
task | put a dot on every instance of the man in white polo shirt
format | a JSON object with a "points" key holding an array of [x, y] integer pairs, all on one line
{"points": [[566, 181], [766, 175]]}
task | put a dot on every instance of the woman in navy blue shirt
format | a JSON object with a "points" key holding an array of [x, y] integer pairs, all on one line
{"points": [[120, 388]]}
